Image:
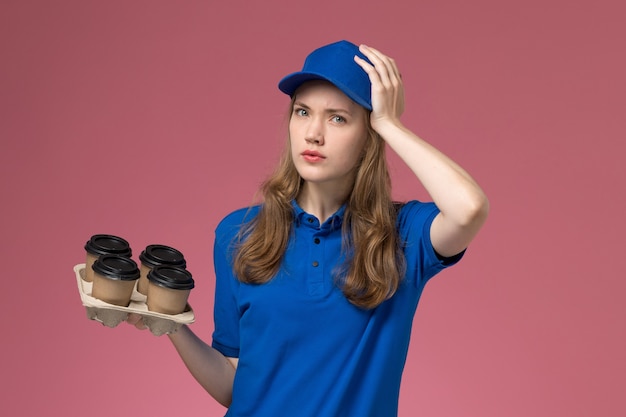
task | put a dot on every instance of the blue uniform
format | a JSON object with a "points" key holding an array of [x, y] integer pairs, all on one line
{"points": [[303, 349]]}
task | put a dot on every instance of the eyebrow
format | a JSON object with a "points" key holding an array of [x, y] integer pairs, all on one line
{"points": [[330, 110]]}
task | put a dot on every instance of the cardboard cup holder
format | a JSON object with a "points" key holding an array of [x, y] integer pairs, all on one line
{"points": [[111, 315]]}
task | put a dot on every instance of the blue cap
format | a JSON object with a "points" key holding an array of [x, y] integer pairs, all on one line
{"points": [[334, 63]]}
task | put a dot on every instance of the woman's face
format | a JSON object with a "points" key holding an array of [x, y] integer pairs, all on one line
{"points": [[327, 131]]}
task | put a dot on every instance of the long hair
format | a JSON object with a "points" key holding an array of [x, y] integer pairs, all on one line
{"points": [[374, 262]]}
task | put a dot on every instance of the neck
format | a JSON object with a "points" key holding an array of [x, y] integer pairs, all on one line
{"points": [[320, 201]]}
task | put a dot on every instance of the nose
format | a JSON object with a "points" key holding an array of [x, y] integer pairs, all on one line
{"points": [[315, 132]]}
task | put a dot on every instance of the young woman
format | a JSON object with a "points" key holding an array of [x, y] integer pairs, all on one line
{"points": [[316, 287]]}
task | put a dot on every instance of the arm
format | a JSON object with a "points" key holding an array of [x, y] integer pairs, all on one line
{"points": [[214, 371], [463, 205]]}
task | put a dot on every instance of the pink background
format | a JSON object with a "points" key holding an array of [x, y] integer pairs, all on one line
{"points": [[153, 119]]}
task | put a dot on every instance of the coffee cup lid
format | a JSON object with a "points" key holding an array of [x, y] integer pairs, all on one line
{"points": [[108, 244], [116, 267], [155, 255], [173, 277]]}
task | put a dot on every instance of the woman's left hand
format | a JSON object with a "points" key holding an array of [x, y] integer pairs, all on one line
{"points": [[387, 87]]}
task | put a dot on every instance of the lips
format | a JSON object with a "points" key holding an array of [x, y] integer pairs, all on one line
{"points": [[312, 156], [313, 153]]}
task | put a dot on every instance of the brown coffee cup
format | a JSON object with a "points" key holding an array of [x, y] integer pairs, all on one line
{"points": [[114, 279], [168, 289], [155, 255], [99, 245]]}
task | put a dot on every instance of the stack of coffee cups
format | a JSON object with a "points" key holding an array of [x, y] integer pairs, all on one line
{"points": [[164, 280], [162, 276]]}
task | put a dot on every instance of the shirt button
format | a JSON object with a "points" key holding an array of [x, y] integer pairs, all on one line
{"points": [[310, 220], [315, 263], [316, 240]]}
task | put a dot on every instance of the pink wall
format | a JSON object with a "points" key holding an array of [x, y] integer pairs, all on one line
{"points": [[153, 119]]}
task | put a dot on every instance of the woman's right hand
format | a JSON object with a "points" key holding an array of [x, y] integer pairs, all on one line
{"points": [[136, 320]]}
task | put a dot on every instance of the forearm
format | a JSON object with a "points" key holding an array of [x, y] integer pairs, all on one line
{"points": [[459, 198], [210, 368], [463, 205]]}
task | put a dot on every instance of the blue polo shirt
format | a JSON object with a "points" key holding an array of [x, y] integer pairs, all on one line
{"points": [[303, 349]]}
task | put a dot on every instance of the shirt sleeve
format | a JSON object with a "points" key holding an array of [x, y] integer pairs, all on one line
{"points": [[422, 262], [225, 312]]}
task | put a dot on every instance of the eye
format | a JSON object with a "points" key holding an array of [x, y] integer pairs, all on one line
{"points": [[299, 111], [338, 119]]}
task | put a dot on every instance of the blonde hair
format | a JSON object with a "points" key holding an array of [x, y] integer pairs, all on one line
{"points": [[374, 262]]}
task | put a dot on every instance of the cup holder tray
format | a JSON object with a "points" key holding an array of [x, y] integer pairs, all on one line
{"points": [[111, 315]]}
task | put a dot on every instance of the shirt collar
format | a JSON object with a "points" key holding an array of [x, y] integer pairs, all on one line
{"points": [[306, 219]]}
